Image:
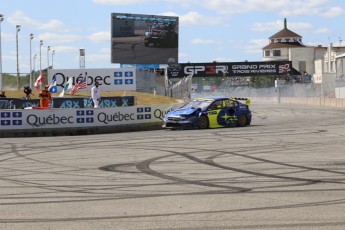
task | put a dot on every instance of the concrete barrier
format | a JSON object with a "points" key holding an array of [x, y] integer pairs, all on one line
{"points": [[317, 101], [57, 122]]}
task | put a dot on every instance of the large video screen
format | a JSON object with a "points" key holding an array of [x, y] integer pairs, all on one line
{"points": [[144, 39]]}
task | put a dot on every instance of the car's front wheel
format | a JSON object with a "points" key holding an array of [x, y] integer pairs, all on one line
{"points": [[242, 120], [203, 122]]}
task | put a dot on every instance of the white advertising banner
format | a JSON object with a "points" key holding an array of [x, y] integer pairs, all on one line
{"points": [[89, 117], [113, 79]]}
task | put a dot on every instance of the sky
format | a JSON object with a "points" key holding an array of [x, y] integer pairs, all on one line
{"points": [[209, 30]]}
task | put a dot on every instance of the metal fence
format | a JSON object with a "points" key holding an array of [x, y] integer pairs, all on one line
{"points": [[182, 89]]}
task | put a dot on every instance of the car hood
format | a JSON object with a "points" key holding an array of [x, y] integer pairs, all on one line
{"points": [[184, 111]]}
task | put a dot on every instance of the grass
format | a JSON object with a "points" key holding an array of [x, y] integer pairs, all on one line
{"points": [[140, 98]]}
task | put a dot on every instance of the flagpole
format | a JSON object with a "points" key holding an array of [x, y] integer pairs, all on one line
{"points": [[41, 43]]}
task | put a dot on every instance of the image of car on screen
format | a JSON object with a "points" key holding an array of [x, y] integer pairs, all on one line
{"points": [[162, 35], [210, 113]]}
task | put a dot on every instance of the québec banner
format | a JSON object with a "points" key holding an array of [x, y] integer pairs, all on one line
{"points": [[68, 103], [116, 79]]}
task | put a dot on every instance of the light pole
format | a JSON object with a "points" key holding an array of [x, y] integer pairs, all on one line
{"points": [[1, 19], [31, 37], [18, 79], [41, 44], [82, 58], [34, 58], [53, 52], [48, 49]]}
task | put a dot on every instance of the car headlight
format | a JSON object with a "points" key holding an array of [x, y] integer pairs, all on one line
{"points": [[182, 117]]}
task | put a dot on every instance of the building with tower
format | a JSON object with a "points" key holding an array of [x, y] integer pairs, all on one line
{"points": [[323, 64]]}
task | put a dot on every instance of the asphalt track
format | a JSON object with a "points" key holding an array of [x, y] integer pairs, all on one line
{"points": [[285, 171], [132, 50]]}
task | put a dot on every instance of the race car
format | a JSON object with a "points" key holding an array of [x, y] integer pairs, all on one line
{"points": [[162, 35], [210, 113]]}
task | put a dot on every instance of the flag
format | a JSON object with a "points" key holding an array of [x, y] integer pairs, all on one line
{"points": [[80, 85], [39, 80], [62, 93], [68, 85], [53, 88]]}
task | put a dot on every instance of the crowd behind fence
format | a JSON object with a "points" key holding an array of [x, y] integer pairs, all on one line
{"points": [[154, 82], [240, 87]]}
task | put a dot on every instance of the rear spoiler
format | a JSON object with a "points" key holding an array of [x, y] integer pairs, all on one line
{"points": [[243, 99]]}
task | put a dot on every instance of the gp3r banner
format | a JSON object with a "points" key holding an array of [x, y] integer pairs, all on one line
{"points": [[230, 69]]}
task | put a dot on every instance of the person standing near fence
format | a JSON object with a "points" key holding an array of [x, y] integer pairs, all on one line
{"points": [[3, 94], [45, 97], [95, 95]]}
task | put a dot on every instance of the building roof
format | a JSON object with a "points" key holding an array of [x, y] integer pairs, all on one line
{"points": [[284, 45], [285, 33]]}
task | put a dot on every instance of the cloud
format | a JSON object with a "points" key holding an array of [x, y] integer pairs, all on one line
{"points": [[171, 14], [19, 18], [279, 25], [199, 41], [59, 38], [282, 7], [323, 30], [100, 36], [333, 12], [183, 3], [121, 2], [194, 18], [53, 25], [98, 57], [221, 59], [8, 37], [269, 26], [66, 49], [255, 45], [229, 7]]}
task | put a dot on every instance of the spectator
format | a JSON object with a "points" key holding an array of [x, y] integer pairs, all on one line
{"points": [[95, 95], [3, 94], [45, 97]]}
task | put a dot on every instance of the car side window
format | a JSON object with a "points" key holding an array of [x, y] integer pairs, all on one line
{"points": [[231, 104], [216, 105]]}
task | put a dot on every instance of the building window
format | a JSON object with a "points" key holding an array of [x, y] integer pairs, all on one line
{"points": [[326, 67], [267, 53], [279, 40], [302, 66], [276, 53], [332, 66], [272, 41]]}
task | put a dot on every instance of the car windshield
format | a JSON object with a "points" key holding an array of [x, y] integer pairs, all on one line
{"points": [[198, 104], [159, 27]]}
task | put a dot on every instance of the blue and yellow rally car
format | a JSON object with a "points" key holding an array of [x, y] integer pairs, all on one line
{"points": [[210, 113]]}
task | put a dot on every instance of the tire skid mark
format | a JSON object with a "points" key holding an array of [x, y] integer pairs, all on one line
{"points": [[211, 159], [144, 167], [95, 218]]}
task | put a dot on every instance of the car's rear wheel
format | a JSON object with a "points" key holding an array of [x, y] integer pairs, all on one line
{"points": [[242, 120], [203, 122]]}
